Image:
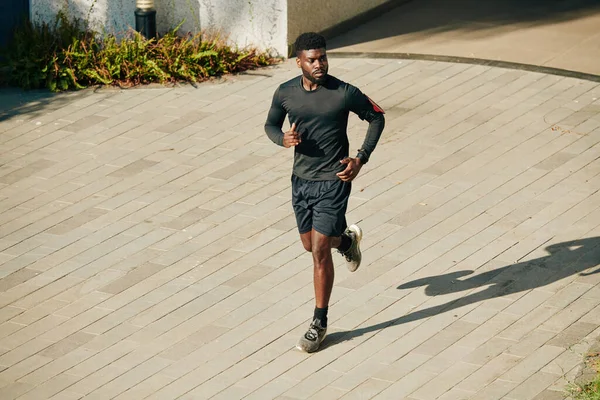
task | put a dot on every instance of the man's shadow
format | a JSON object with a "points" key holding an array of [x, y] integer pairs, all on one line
{"points": [[564, 259]]}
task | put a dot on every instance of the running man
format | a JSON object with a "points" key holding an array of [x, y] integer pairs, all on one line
{"points": [[318, 106]]}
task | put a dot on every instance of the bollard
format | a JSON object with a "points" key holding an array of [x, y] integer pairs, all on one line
{"points": [[145, 18]]}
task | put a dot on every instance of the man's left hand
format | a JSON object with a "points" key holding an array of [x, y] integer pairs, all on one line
{"points": [[353, 166]]}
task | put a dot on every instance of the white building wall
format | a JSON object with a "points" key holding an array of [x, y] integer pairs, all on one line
{"points": [[261, 23], [94, 11]]}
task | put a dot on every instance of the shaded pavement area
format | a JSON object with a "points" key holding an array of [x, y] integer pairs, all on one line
{"points": [[560, 34]]}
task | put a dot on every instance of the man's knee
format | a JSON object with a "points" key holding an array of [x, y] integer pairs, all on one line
{"points": [[321, 250]]}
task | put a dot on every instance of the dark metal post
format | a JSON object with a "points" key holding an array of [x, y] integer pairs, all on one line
{"points": [[145, 18]]}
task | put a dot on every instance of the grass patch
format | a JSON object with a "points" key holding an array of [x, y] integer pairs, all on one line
{"points": [[65, 56], [590, 390]]}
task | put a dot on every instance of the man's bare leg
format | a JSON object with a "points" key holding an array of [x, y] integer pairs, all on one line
{"points": [[323, 266], [320, 246]]}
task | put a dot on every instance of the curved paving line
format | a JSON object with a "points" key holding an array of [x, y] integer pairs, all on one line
{"points": [[469, 60]]}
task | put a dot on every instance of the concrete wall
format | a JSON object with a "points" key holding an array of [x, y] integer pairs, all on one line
{"points": [[94, 11], [261, 23], [318, 15]]}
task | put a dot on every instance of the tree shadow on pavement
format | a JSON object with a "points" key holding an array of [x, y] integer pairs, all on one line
{"points": [[564, 259], [34, 103]]}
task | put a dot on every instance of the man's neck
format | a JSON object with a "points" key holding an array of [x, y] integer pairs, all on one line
{"points": [[308, 85]]}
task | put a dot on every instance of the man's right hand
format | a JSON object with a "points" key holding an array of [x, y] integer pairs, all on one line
{"points": [[291, 137]]}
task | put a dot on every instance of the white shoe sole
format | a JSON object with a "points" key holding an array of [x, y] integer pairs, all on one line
{"points": [[358, 236]]}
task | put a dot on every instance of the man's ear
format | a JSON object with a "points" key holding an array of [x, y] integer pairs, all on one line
{"points": [[298, 62]]}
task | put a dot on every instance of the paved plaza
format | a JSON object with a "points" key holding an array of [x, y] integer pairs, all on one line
{"points": [[149, 250]]}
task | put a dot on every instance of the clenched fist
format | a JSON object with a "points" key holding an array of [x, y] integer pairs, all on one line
{"points": [[291, 137]]}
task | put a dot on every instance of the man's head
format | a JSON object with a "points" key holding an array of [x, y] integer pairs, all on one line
{"points": [[311, 56]]}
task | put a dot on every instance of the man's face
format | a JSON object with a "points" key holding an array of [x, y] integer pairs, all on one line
{"points": [[314, 65]]}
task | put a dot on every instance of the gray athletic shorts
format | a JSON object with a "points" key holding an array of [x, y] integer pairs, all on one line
{"points": [[320, 205]]}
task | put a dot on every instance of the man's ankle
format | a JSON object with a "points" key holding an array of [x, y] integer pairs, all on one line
{"points": [[321, 315], [345, 243]]}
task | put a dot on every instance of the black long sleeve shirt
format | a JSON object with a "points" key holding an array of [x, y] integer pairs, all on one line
{"points": [[321, 118]]}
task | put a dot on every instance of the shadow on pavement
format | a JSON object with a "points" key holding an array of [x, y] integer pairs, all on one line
{"points": [[479, 18], [564, 259], [32, 104]]}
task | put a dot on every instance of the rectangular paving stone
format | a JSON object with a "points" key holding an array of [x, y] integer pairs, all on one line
{"points": [[273, 389], [411, 215], [67, 345], [445, 381], [135, 276], [530, 343], [133, 168], [50, 387], [449, 162], [528, 302], [77, 221], [237, 167], [311, 385], [14, 390], [566, 362], [16, 278], [408, 384], [445, 338], [147, 387], [555, 160], [249, 276], [187, 219], [573, 334], [26, 171], [83, 123], [550, 395], [532, 363], [129, 379], [528, 322], [569, 315], [58, 366], [39, 311], [401, 367], [366, 390], [567, 295], [23, 368], [489, 372], [182, 122], [496, 390], [488, 351], [532, 386]]}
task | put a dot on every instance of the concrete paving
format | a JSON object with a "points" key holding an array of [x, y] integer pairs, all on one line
{"points": [[149, 251], [556, 34]]}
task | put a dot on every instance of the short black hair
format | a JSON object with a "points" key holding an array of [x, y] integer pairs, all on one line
{"points": [[309, 41]]}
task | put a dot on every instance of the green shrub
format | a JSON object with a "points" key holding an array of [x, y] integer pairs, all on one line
{"points": [[65, 56]]}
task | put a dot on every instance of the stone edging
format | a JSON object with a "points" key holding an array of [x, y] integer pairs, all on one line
{"points": [[469, 60]]}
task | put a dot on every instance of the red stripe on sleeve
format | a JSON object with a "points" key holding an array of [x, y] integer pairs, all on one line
{"points": [[376, 107]]}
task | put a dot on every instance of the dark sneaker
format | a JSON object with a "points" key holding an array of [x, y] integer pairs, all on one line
{"points": [[353, 255], [313, 337]]}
